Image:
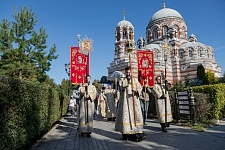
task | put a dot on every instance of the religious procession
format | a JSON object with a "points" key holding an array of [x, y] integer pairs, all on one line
{"points": [[124, 98], [138, 79], [155, 91], [126, 105]]}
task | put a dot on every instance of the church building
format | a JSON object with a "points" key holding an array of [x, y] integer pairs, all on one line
{"points": [[185, 55]]}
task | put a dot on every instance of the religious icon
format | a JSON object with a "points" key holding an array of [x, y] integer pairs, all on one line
{"points": [[145, 63], [86, 45]]}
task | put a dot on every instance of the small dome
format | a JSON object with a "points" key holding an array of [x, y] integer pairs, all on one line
{"points": [[141, 38], [166, 13], [192, 38], [124, 23], [192, 35]]}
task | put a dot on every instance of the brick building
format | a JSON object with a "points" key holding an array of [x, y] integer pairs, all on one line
{"points": [[186, 53]]}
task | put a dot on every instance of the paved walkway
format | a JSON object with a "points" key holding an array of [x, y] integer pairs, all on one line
{"points": [[64, 136]]}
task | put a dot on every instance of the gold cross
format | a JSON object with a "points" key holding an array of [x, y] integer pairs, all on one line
{"points": [[166, 46], [123, 14]]}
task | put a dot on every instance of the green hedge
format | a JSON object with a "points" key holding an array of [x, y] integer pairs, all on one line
{"points": [[217, 98], [27, 111], [203, 107], [210, 102]]}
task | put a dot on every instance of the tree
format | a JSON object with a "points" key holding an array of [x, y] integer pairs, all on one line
{"points": [[210, 78], [178, 85], [65, 86], [200, 74], [97, 84], [22, 49], [187, 81]]}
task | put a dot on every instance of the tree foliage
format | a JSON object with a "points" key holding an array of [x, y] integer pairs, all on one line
{"points": [[210, 78], [22, 49], [65, 86], [178, 85], [188, 82], [200, 72], [200, 75], [97, 84]]}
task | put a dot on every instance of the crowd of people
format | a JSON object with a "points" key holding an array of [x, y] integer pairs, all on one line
{"points": [[129, 100]]}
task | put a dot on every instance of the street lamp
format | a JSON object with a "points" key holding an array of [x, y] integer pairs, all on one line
{"points": [[166, 47], [67, 69]]}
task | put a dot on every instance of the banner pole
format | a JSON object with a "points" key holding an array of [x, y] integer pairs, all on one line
{"points": [[86, 87], [132, 87]]}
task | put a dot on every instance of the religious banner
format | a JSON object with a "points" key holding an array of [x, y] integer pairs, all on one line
{"points": [[145, 66], [78, 66]]}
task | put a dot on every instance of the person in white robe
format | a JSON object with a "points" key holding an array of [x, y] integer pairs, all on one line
{"points": [[102, 103], [129, 116], [86, 112], [112, 97], [160, 98]]}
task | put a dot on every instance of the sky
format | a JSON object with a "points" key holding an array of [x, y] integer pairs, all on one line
{"points": [[63, 20]]}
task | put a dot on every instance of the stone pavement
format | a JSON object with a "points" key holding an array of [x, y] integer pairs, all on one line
{"points": [[64, 136]]}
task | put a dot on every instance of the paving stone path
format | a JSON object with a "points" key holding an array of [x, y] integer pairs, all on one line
{"points": [[64, 136]]}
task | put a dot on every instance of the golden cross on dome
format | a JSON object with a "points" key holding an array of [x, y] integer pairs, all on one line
{"points": [[164, 4], [123, 14]]}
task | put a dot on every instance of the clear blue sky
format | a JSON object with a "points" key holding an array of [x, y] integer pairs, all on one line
{"points": [[97, 19]]}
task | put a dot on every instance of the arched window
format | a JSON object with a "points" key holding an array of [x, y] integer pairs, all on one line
{"points": [[130, 34], [199, 52], [182, 33], [209, 53], [181, 54], [155, 34], [117, 51], [124, 34], [164, 31], [117, 62], [190, 53], [206, 53], [118, 34]]}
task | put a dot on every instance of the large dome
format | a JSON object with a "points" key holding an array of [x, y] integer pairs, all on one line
{"points": [[166, 13], [124, 23]]}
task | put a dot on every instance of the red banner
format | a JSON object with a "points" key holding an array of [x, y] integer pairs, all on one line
{"points": [[78, 66], [145, 66]]}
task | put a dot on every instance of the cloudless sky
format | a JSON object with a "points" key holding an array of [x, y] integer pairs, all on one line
{"points": [[97, 19]]}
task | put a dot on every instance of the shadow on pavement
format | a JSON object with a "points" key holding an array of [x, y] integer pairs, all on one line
{"points": [[65, 136]]}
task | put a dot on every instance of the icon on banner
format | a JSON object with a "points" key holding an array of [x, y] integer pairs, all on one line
{"points": [[145, 63], [86, 45]]}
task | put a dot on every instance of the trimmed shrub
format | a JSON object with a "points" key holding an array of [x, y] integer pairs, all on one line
{"points": [[217, 98], [28, 110], [203, 107]]}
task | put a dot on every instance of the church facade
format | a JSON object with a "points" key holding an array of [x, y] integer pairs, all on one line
{"points": [[185, 55]]}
